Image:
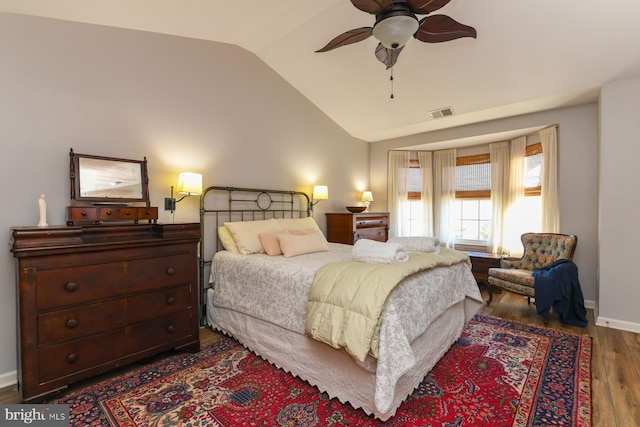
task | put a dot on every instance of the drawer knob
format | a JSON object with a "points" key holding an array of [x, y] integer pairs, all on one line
{"points": [[108, 212], [171, 271], [71, 287], [127, 212], [171, 329], [72, 358], [171, 300], [84, 213], [72, 323]]}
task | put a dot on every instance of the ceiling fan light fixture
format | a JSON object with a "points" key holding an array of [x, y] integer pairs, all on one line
{"points": [[394, 31]]}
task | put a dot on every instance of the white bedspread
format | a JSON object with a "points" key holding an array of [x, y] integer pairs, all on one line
{"points": [[275, 289]]}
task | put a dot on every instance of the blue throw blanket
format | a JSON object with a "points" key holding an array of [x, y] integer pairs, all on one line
{"points": [[557, 285]]}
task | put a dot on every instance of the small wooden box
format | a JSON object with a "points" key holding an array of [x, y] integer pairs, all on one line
{"points": [[100, 214]]}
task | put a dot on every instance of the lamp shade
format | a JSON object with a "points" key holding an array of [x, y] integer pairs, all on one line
{"points": [[394, 31], [367, 196], [189, 183], [320, 192]]}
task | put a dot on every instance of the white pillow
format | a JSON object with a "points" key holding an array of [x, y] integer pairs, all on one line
{"points": [[225, 237], [247, 234], [292, 244], [298, 223]]}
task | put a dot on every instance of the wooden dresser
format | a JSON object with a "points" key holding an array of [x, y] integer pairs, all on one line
{"points": [[350, 227], [95, 297]]}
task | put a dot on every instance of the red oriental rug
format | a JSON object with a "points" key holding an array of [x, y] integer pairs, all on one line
{"points": [[499, 373]]}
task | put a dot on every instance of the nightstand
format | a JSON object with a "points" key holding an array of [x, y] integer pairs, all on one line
{"points": [[481, 263], [351, 227]]}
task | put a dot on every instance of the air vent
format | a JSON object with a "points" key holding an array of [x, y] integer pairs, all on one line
{"points": [[442, 112]]}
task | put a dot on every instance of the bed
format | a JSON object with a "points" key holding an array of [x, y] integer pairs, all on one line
{"points": [[261, 299]]}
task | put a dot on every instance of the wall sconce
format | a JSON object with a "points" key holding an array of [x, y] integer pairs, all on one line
{"points": [[367, 198], [320, 192], [189, 184]]}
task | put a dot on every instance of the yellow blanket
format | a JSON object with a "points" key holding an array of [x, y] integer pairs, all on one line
{"points": [[347, 299]]}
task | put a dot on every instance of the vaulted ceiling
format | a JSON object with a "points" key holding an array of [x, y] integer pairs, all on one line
{"points": [[528, 56]]}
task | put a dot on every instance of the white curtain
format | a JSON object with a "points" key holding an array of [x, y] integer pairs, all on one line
{"points": [[444, 195], [397, 191], [499, 155], [515, 217], [426, 197], [549, 192]]}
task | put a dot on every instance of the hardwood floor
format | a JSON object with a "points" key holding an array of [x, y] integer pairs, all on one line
{"points": [[615, 362]]}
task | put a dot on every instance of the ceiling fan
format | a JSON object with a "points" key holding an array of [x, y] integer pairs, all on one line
{"points": [[396, 22]]}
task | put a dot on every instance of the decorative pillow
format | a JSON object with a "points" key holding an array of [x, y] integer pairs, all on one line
{"points": [[298, 223], [225, 237], [271, 243], [293, 245], [246, 234], [303, 231]]}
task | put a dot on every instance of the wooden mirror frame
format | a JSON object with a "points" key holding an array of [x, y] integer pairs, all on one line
{"points": [[109, 168]]}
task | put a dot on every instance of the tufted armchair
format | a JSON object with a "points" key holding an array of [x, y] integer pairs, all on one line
{"points": [[540, 250]]}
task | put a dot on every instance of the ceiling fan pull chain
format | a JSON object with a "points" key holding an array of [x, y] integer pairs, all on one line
{"points": [[391, 80]]}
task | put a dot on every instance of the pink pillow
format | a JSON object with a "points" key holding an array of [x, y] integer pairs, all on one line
{"points": [[271, 244]]}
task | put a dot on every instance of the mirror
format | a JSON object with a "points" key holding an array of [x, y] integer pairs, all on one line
{"points": [[108, 180]]}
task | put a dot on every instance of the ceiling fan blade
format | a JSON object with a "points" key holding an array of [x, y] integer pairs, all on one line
{"points": [[351, 36], [422, 7], [387, 56], [372, 6], [441, 28]]}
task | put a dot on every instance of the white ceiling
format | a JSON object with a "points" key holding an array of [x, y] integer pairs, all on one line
{"points": [[529, 56]]}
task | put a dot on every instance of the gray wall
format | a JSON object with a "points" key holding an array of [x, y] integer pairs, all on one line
{"points": [[619, 293], [185, 104], [578, 173]]}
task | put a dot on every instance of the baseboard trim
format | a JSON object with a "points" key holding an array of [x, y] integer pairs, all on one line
{"points": [[623, 325], [8, 379]]}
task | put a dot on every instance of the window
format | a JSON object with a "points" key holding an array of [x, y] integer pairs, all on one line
{"points": [[473, 206], [415, 180], [533, 170], [473, 177], [472, 220], [414, 223]]}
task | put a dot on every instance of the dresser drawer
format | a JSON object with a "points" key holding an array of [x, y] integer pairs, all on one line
{"points": [[74, 285], [378, 233], [89, 353], [84, 213], [381, 221], [117, 214], [148, 213], [55, 326]]}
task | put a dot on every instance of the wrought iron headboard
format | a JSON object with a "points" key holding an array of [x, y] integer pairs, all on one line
{"points": [[224, 204]]}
